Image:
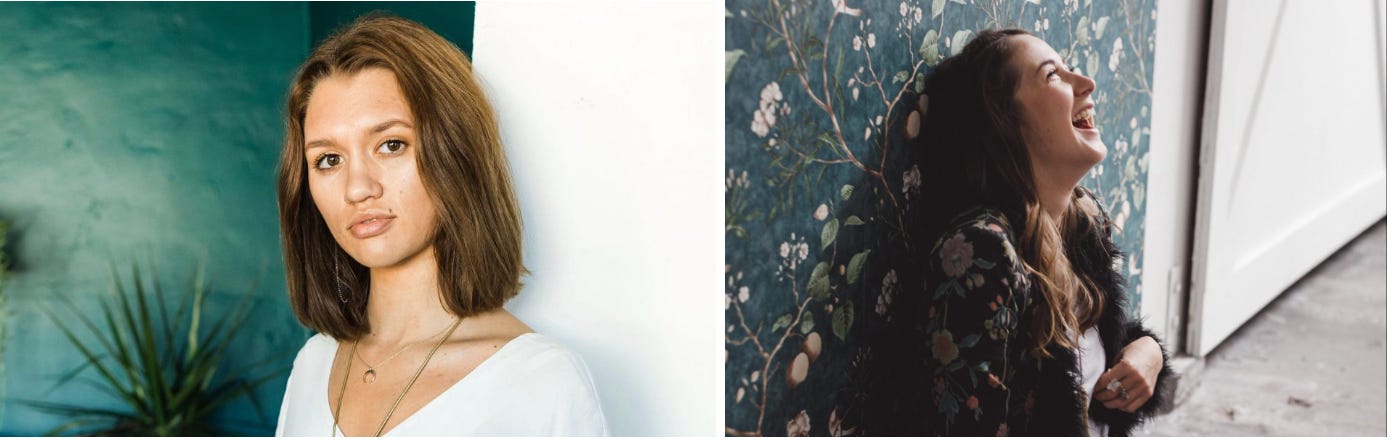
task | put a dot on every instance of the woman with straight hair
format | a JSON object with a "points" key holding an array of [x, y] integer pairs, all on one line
{"points": [[402, 242], [1020, 327]]}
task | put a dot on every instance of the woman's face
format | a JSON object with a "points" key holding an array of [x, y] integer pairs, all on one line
{"points": [[1056, 110], [361, 146]]}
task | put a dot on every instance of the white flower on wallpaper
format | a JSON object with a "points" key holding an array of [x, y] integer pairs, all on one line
{"points": [[770, 109], [791, 253], [735, 181], [1116, 56], [798, 426]]}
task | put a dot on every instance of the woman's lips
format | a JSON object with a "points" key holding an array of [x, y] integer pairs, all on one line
{"points": [[371, 228]]}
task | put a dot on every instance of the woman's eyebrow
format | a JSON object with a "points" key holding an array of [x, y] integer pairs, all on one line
{"points": [[1045, 63], [389, 124], [375, 130]]}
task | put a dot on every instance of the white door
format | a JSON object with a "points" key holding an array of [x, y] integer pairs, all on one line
{"points": [[1292, 151]]}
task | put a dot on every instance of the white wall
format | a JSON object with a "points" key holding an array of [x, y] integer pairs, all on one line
{"points": [[611, 114], [1178, 86]]}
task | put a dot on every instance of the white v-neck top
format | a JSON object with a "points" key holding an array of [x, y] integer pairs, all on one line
{"points": [[1091, 358], [530, 386]]}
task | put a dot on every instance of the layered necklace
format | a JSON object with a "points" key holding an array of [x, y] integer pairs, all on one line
{"points": [[370, 376]]}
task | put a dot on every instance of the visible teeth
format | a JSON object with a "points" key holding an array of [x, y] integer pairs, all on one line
{"points": [[1087, 113]]}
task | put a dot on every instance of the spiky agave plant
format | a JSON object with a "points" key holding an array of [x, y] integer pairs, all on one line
{"points": [[166, 373]]}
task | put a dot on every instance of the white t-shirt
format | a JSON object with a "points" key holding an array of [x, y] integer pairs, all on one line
{"points": [[530, 386], [1091, 360]]}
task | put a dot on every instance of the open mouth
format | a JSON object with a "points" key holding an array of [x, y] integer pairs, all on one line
{"points": [[1084, 120]]}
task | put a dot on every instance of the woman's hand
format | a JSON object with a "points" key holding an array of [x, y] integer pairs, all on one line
{"points": [[1136, 374]]}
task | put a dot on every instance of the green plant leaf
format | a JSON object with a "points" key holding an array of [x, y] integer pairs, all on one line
{"points": [[969, 341], [819, 286], [782, 321], [732, 57], [936, 9], [959, 40], [846, 192], [853, 221], [829, 233], [854, 267], [1082, 31], [842, 320], [1099, 26], [929, 46], [900, 77], [806, 324]]}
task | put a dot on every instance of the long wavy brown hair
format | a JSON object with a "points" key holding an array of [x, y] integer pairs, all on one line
{"points": [[979, 157], [478, 237]]}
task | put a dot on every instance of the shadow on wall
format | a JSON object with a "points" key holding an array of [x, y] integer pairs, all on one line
{"points": [[140, 130], [821, 100]]}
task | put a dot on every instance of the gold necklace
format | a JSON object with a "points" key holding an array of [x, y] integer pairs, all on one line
{"points": [[371, 374], [333, 430]]}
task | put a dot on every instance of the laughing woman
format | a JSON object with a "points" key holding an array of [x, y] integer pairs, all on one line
{"points": [[402, 242], [1020, 328]]}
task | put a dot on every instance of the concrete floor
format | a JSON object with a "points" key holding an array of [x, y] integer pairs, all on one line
{"points": [[1312, 363]]}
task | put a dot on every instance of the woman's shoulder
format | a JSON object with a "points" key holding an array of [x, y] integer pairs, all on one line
{"points": [[554, 384], [978, 226], [545, 357], [319, 348]]}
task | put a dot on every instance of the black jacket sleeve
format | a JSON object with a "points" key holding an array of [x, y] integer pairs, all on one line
{"points": [[977, 288]]}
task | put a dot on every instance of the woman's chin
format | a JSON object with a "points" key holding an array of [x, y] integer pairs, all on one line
{"points": [[1096, 146], [378, 256]]}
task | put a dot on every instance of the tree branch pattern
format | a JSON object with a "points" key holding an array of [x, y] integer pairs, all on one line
{"points": [[822, 101]]}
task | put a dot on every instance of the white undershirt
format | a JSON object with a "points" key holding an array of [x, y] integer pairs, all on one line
{"points": [[1091, 365], [531, 386]]}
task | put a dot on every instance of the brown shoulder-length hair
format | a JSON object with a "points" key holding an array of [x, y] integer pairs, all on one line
{"points": [[980, 157], [478, 236]]}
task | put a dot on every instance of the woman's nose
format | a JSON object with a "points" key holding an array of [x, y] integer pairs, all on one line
{"points": [[1084, 85], [362, 181]]}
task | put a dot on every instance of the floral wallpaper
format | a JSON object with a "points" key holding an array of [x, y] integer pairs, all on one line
{"points": [[821, 98]]}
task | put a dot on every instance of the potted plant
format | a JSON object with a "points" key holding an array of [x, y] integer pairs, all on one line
{"points": [[166, 370]]}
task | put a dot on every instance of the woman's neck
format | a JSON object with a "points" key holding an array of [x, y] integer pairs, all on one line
{"points": [[1055, 189], [404, 303]]}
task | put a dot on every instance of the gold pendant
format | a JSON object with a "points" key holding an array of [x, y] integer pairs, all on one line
{"points": [[370, 376]]}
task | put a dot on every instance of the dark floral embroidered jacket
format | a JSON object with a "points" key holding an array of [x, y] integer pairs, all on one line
{"points": [[962, 367]]}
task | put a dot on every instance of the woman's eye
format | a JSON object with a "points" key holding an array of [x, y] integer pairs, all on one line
{"points": [[392, 146], [327, 161]]}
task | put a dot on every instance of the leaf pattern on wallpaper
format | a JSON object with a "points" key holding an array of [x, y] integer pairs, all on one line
{"points": [[822, 98]]}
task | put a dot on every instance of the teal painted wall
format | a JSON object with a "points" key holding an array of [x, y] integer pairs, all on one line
{"points": [[135, 130], [452, 20]]}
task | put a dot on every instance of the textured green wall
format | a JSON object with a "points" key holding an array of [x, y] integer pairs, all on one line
{"points": [[452, 20], [139, 129], [135, 130]]}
